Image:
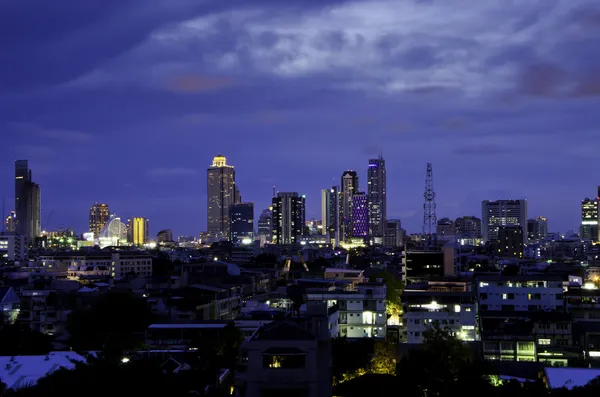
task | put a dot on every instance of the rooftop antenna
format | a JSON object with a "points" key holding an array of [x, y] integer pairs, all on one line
{"points": [[429, 215]]}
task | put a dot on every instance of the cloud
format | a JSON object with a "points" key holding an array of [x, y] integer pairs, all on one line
{"points": [[38, 131], [163, 172], [196, 83], [482, 150]]}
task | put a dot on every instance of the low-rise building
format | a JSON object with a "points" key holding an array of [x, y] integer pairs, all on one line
{"points": [[450, 305]]}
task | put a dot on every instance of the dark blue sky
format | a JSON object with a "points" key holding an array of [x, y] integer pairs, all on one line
{"points": [[127, 101]]}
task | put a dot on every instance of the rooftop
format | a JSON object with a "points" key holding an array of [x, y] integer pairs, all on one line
{"points": [[282, 330], [19, 371]]}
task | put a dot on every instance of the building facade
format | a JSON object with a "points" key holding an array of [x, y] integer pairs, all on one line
{"points": [[330, 216], [360, 216], [288, 217], [138, 231], [242, 223], [589, 219]]}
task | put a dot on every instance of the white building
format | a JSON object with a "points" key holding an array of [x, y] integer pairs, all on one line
{"points": [[519, 293], [361, 312], [13, 247], [450, 305]]}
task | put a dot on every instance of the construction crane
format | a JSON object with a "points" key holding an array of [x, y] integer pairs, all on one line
{"points": [[288, 263]]}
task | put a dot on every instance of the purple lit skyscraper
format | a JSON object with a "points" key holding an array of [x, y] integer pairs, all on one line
{"points": [[360, 215]]}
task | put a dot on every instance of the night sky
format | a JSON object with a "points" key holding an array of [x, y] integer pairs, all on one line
{"points": [[127, 101]]}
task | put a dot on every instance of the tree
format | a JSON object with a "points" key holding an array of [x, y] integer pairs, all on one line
{"points": [[394, 288], [384, 359], [443, 366], [114, 323], [350, 358], [19, 339]]}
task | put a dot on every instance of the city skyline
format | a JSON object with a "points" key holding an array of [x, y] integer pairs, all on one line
{"points": [[132, 118]]}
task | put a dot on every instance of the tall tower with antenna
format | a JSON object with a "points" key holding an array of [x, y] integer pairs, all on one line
{"points": [[429, 216]]}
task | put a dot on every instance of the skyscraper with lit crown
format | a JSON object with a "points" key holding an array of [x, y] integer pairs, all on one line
{"points": [[222, 192]]}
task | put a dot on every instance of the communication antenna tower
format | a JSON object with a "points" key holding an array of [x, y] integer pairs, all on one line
{"points": [[429, 216]]}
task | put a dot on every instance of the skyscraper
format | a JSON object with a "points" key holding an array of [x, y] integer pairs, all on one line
{"points": [[360, 216], [27, 202], [589, 219], [349, 189], [265, 226], [242, 223], [138, 230], [99, 216], [288, 217], [377, 200], [330, 216], [502, 213], [222, 192]]}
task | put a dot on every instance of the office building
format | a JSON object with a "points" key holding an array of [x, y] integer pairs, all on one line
{"points": [[138, 231], [360, 215], [349, 189], [265, 226], [394, 234], [330, 216], [13, 247], [537, 229], [376, 192], [242, 223], [164, 236], [99, 217], [445, 229], [468, 227], [27, 202], [222, 192], [502, 213], [589, 219], [288, 217], [510, 242]]}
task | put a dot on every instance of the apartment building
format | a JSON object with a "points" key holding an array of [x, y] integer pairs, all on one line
{"points": [[452, 305], [361, 311]]}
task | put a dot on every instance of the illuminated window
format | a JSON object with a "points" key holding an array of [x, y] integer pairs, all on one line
{"points": [[544, 341]]}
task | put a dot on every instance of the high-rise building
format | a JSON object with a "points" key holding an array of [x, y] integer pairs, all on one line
{"points": [[502, 213], [510, 242], [377, 200], [10, 222], [222, 192], [537, 229], [330, 213], [589, 219], [394, 234], [468, 227], [164, 236], [99, 216], [289, 217], [349, 189], [27, 202], [360, 215], [242, 223], [445, 229], [265, 226], [138, 230]]}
